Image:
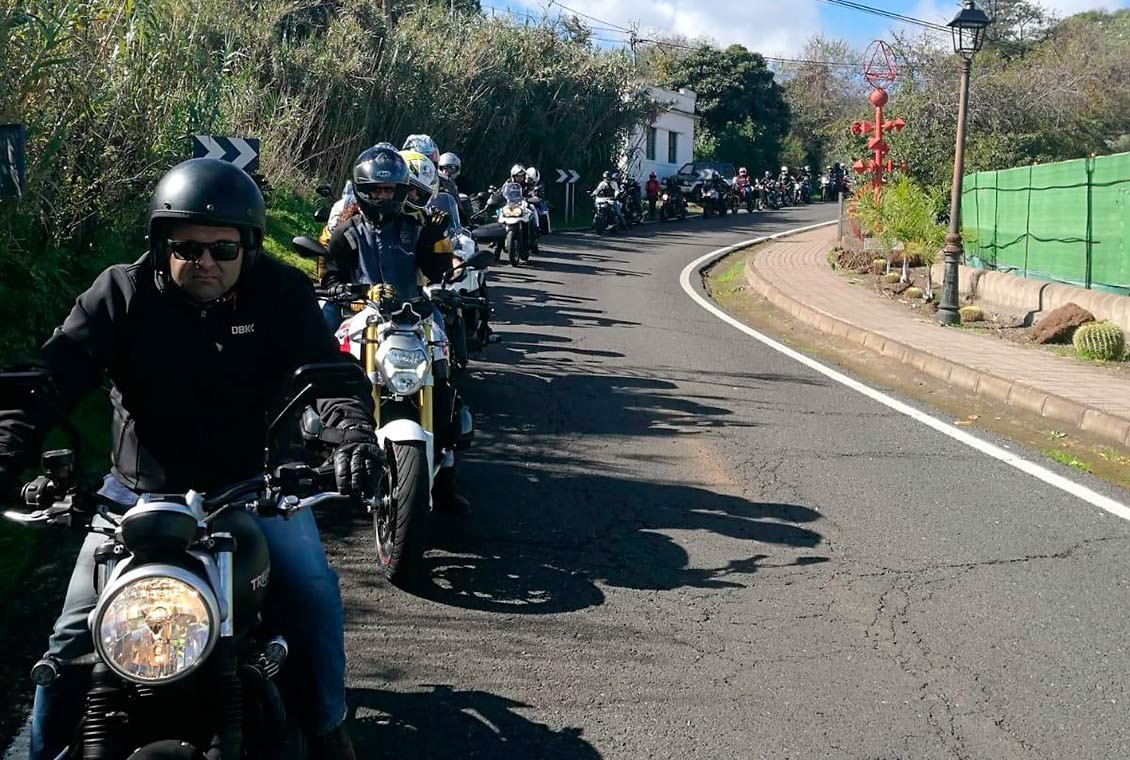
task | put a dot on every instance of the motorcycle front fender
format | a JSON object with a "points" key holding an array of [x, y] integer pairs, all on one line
{"points": [[401, 431]]}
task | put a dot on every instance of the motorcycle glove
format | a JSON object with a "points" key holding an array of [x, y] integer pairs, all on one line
{"points": [[357, 464]]}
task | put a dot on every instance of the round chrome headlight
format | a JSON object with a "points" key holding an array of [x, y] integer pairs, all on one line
{"points": [[156, 625]]}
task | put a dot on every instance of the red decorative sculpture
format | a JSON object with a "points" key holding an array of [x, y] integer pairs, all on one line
{"points": [[880, 71]]}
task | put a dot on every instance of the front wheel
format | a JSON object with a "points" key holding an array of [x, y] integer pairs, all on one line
{"points": [[512, 243], [400, 519]]}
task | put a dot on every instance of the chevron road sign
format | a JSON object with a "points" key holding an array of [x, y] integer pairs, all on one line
{"points": [[241, 151], [567, 175]]}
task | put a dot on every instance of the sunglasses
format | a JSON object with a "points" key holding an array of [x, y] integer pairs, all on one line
{"points": [[191, 250]]}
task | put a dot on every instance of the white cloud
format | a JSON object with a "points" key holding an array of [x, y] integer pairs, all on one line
{"points": [[771, 27], [767, 26]]}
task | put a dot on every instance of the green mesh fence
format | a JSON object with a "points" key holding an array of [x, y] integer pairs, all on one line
{"points": [[1066, 222]]}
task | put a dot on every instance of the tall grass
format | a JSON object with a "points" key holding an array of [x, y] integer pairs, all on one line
{"points": [[112, 90]]}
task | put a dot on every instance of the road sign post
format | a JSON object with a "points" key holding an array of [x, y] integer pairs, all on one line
{"points": [[13, 160], [569, 178], [240, 151]]}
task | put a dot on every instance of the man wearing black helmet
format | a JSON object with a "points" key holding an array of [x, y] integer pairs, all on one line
{"points": [[380, 245], [198, 337]]}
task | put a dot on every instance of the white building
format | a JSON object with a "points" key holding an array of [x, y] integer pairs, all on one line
{"points": [[668, 142]]}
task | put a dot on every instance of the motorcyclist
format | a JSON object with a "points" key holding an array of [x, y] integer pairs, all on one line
{"points": [[392, 241], [450, 166], [742, 185], [198, 338], [423, 144], [652, 190], [630, 191], [608, 188], [535, 193]]}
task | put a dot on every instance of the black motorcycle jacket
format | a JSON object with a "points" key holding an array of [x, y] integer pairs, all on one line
{"points": [[401, 236], [191, 386]]}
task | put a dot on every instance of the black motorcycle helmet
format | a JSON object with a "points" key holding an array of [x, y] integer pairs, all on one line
{"points": [[211, 192], [380, 165]]}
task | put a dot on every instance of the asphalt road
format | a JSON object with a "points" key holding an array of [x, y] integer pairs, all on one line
{"points": [[685, 545], [688, 546]]}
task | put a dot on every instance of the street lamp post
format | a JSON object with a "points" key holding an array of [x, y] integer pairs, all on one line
{"points": [[968, 28]]}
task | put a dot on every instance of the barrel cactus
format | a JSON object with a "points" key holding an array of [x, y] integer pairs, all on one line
{"points": [[891, 278], [971, 313], [1100, 340]]}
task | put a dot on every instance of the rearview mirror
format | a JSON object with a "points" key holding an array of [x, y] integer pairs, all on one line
{"points": [[310, 382], [322, 215], [481, 259], [308, 248], [324, 190]]}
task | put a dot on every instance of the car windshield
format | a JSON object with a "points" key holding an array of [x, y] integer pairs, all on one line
{"points": [[686, 169], [445, 203], [512, 192]]}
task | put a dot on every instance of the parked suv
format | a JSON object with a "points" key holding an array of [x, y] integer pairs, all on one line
{"points": [[690, 176]]}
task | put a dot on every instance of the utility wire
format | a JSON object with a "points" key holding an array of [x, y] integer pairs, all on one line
{"points": [[616, 27]]}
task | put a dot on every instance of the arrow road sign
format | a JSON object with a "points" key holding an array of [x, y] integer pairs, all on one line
{"points": [[575, 176], [562, 175], [568, 176], [241, 151]]}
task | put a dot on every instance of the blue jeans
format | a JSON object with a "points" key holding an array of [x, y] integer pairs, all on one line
{"points": [[303, 594]]}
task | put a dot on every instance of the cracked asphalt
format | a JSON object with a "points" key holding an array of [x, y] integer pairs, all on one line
{"points": [[685, 545]]}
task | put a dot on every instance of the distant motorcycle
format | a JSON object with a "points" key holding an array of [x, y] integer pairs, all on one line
{"points": [[674, 206], [516, 216], [605, 216]]}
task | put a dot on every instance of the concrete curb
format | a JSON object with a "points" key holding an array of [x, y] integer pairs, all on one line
{"points": [[1064, 410]]}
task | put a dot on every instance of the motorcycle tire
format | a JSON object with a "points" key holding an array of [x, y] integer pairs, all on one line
{"points": [[511, 246], [400, 521]]}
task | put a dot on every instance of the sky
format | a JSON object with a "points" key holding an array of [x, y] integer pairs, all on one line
{"points": [[770, 27]]}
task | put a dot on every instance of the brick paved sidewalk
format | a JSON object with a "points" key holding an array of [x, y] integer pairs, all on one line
{"points": [[793, 273]]}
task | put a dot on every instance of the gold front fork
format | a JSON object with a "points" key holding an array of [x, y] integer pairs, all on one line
{"points": [[426, 415], [369, 354]]}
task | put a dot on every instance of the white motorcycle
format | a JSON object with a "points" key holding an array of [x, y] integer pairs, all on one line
{"points": [[516, 216]]}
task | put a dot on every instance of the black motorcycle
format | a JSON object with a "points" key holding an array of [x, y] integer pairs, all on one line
{"points": [[674, 204], [631, 202], [183, 667]]}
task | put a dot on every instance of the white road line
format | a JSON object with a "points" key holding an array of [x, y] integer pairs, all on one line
{"points": [[996, 452]]}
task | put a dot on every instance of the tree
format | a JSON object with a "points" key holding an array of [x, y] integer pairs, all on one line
{"points": [[820, 97], [744, 113]]}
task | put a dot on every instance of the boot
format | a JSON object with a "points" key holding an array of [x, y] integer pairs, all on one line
{"points": [[335, 745], [446, 496]]}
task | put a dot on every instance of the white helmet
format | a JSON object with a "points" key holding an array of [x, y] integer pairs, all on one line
{"points": [[451, 163], [422, 176], [784, 170], [517, 169], [533, 175]]}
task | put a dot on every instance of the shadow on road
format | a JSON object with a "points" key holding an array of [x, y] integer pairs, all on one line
{"points": [[450, 723]]}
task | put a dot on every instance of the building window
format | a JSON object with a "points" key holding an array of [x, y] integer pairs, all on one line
{"points": [[672, 147], [651, 143]]}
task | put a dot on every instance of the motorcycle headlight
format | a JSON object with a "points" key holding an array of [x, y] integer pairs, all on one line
{"points": [[404, 369], [157, 627], [512, 211]]}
